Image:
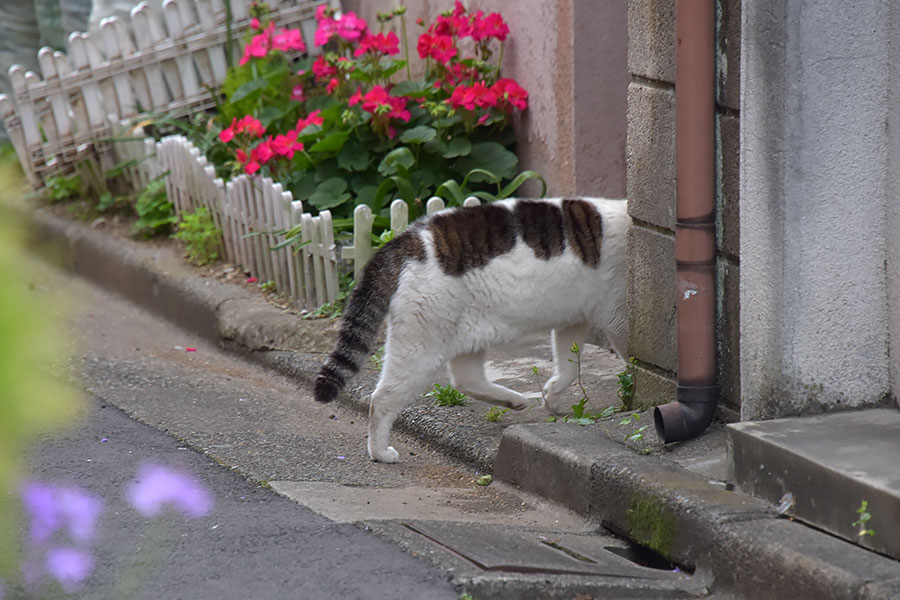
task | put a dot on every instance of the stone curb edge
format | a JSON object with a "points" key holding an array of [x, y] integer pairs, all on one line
{"points": [[650, 499]]}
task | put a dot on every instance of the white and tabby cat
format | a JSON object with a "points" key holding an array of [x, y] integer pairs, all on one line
{"points": [[465, 279]]}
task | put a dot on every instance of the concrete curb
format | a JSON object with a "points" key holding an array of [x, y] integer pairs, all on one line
{"points": [[746, 546]]}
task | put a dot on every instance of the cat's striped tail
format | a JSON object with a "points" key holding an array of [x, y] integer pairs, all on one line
{"points": [[366, 310]]}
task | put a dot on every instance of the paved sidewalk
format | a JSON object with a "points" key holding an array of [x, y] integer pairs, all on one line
{"points": [[676, 500]]}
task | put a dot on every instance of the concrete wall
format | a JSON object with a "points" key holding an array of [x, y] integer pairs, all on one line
{"points": [[892, 221], [570, 56], [651, 192], [818, 190]]}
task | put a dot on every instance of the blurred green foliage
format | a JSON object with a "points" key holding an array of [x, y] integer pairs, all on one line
{"points": [[31, 399]]}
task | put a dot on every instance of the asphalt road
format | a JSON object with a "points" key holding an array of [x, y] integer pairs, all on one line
{"points": [[254, 543], [149, 399]]}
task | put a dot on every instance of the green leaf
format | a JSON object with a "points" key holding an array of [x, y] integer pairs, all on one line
{"points": [[493, 157], [521, 178], [353, 157], [401, 156], [330, 193], [410, 88], [418, 135], [484, 480], [451, 192], [481, 175], [331, 143], [270, 113], [458, 146], [251, 89]]}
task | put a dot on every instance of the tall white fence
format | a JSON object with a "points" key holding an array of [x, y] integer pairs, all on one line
{"points": [[150, 63], [254, 213]]}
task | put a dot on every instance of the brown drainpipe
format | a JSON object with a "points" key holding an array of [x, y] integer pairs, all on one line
{"points": [[695, 225]]}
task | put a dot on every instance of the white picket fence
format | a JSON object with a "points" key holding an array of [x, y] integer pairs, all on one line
{"points": [[162, 63], [254, 212], [150, 63]]}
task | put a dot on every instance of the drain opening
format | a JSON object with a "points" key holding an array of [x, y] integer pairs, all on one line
{"points": [[642, 555]]}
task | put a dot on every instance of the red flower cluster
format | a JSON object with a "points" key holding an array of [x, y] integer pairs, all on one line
{"points": [[504, 94], [379, 43], [439, 40], [272, 39], [383, 107], [246, 124], [347, 26], [281, 145]]}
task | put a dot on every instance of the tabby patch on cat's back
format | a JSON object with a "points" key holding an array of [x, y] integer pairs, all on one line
{"points": [[464, 279], [465, 240]]}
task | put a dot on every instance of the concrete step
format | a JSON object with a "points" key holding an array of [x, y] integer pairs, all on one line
{"points": [[821, 469]]}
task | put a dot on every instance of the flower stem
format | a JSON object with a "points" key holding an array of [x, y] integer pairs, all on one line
{"points": [[405, 45]]}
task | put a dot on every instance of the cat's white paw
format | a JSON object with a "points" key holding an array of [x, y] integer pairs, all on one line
{"points": [[388, 455], [555, 400]]}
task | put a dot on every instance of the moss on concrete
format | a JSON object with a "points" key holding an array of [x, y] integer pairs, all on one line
{"points": [[651, 525]]}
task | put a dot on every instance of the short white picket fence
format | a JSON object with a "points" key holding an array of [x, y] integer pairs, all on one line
{"points": [[254, 213], [148, 63]]}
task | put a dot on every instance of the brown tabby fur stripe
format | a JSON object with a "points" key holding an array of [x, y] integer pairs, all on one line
{"points": [[469, 238]]}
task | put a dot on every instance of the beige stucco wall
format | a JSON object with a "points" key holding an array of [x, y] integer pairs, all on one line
{"points": [[570, 56]]}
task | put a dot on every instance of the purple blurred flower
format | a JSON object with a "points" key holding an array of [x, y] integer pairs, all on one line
{"points": [[157, 485], [70, 566], [52, 508]]}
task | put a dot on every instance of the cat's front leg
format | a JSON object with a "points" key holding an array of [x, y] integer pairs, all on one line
{"points": [[565, 365], [467, 375]]}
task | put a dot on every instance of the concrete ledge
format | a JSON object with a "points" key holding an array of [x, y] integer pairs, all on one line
{"points": [[554, 460], [829, 464]]}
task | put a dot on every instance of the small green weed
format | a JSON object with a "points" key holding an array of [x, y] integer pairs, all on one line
{"points": [[201, 236], [63, 187], [333, 310], [637, 434], [485, 480], [863, 521], [377, 358], [268, 287], [447, 395], [156, 215], [495, 413], [626, 384]]}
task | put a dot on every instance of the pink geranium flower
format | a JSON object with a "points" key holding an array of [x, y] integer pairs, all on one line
{"points": [[491, 26], [286, 144], [288, 39], [314, 118], [379, 43], [475, 96], [258, 46], [348, 26], [510, 93], [322, 69]]}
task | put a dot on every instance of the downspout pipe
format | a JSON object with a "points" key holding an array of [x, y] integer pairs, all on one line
{"points": [[695, 225]]}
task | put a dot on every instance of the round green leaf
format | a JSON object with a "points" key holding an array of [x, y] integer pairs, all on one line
{"points": [[418, 135], [401, 156], [353, 157], [458, 146], [330, 193]]}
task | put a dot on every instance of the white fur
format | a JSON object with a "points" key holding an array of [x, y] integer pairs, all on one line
{"points": [[437, 319]]}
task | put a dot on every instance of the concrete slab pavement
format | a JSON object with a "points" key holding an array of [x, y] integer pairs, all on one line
{"points": [[675, 500]]}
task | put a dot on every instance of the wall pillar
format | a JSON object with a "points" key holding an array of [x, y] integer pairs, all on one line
{"points": [[814, 177]]}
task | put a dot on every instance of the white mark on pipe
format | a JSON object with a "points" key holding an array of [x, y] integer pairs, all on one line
{"points": [[689, 292]]}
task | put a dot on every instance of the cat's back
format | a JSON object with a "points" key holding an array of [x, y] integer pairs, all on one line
{"points": [[461, 241]]}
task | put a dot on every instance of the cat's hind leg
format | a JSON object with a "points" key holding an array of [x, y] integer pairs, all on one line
{"points": [[401, 382], [467, 375], [565, 365]]}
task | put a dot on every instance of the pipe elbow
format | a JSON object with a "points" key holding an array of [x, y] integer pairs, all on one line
{"points": [[689, 416]]}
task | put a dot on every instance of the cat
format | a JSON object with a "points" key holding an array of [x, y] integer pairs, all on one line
{"points": [[464, 279]]}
